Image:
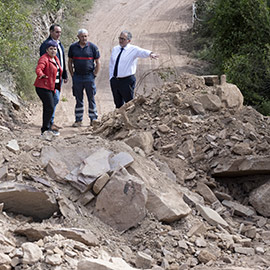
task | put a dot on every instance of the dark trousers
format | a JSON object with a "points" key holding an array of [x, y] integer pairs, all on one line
{"points": [[87, 82], [47, 98], [122, 90]]}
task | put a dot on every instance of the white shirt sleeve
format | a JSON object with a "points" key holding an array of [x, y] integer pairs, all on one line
{"points": [[128, 60]]}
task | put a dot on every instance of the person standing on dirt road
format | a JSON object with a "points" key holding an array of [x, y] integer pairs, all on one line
{"points": [[84, 65], [55, 34], [122, 68], [49, 77]]}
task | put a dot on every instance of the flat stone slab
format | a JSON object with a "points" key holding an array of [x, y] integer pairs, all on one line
{"points": [[211, 216], [80, 235], [244, 166], [27, 201]]}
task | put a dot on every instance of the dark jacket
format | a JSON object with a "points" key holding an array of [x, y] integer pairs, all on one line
{"points": [[46, 66], [42, 50]]}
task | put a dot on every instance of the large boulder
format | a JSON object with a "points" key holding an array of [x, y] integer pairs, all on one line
{"points": [[121, 203], [230, 95]]}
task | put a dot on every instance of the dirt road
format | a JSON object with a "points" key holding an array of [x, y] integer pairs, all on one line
{"points": [[157, 25]]}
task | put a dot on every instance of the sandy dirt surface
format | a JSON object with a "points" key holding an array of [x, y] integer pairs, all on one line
{"points": [[157, 25]]}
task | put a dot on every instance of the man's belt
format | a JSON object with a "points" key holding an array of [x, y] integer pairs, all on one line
{"points": [[122, 78]]}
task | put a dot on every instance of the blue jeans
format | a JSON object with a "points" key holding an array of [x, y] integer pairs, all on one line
{"points": [[87, 82], [56, 98]]}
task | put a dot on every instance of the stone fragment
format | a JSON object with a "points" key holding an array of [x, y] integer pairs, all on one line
{"points": [[244, 250], [197, 229], [242, 149], [210, 102], [2, 159], [27, 200], [163, 128], [99, 264], [239, 209], [167, 207], [163, 167], [100, 183], [187, 148], [96, 164], [66, 207], [79, 181], [191, 198], [86, 198], [120, 160], [156, 267], [53, 259], [206, 192], [57, 170], [31, 253], [176, 100], [191, 176], [13, 146], [41, 180], [250, 165], [197, 107], [121, 203], [4, 259], [260, 250], [3, 172], [205, 256], [210, 138], [81, 235], [261, 222], [200, 242], [168, 147], [15, 261], [223, 196], [143, 260], [260, 199], [227, 240], [175, 88], [266, 235], [143, 140], [230, 96], [211, 216]]}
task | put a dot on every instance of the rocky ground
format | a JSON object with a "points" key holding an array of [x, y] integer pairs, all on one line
{"points": [[177, 179]]}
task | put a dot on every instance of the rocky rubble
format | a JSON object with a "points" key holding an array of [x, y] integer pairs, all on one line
{"points": [[176, 180]]}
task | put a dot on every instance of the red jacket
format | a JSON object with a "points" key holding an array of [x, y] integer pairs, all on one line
{"points": [[46, 66]]}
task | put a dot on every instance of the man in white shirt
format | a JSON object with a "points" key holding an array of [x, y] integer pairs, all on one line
{"points": [[123, 63]]}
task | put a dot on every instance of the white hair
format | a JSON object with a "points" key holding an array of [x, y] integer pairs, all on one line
{"points": [[82, 31]]}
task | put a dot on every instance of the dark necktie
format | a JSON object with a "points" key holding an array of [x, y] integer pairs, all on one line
{"points": [[116, 63]]}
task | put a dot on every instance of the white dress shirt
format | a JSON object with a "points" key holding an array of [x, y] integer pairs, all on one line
{"points": [[128, 60], [60, 53]]}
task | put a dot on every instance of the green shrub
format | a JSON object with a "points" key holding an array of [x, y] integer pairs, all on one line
{"points": [[15, 30], [237, 44]]}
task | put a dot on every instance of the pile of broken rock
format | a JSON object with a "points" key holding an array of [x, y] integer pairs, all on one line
{"points": [[174, 180]]}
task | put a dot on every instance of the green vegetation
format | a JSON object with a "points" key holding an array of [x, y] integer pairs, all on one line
{"points": [[18, 42], [233, 35]]}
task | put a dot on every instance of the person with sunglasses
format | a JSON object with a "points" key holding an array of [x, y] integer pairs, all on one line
{"points": [[122, 68]]}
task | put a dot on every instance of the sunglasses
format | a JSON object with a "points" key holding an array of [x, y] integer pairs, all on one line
{"points": [[120, 38]]}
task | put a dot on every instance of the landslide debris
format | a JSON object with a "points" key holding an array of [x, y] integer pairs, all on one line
{"points": [[180, 181]]}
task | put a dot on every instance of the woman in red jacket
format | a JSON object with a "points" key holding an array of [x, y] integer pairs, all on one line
{"points": [[49, 76]]}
